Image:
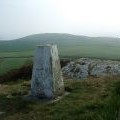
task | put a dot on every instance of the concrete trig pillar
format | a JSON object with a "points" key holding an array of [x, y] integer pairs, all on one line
{"points": [[47, 81]]}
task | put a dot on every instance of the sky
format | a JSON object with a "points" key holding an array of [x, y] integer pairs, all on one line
{"points": [[19, 18]]}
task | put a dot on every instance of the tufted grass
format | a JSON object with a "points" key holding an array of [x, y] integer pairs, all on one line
{"points": [[92, 99]]}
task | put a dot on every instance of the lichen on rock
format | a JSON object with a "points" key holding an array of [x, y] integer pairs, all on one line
{"points": [[85, 67]]}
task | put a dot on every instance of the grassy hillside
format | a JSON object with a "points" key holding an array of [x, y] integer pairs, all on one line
{"points": [[92, 99], [68, 45]]}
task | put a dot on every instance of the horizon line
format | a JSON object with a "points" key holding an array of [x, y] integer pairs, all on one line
{"points": [[101, 36]]}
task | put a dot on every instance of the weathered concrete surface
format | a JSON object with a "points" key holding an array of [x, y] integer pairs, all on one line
{"points": [[85, 67], [47, 81]]}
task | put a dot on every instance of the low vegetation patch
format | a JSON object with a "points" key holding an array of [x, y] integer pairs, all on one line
{"points": [[92, 99], [23, 72], [8, 64]]}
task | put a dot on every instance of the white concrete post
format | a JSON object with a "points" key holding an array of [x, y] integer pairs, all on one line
{"points": [[47, 81]]}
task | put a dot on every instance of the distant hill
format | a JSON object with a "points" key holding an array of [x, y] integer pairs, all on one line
{"points": [[69, 45], [29, 42]]}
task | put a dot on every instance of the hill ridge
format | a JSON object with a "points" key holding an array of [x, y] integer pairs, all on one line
{"points": [[68, 45]]}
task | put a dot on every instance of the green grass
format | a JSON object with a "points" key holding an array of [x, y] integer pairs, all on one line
{"points": [[16, 54], [92, 99], [8, 64], [98, 51]]}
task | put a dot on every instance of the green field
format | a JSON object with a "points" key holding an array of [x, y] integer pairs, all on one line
{"points": [[92, 99], [69, 46], [16, 54], [8, 64]]}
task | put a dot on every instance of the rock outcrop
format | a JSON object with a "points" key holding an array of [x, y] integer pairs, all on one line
{"points": [[84, 67]]}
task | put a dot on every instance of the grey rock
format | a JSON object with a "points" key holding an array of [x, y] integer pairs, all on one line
{"points": [[84, 67]]}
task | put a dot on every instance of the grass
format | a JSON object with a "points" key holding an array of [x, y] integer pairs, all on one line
{"points": [[91, 51], [8, 64], [16, 54], [92, 99]]}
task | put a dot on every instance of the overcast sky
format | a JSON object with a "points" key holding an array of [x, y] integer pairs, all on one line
{"points": [[19, 18]]}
